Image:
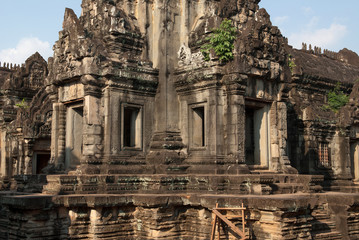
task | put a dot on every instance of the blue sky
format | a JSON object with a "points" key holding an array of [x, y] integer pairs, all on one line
{"points": [[28, 26], [33, 25], [329, 24]]}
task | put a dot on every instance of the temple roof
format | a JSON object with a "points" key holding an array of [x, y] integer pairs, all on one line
{"points": [[322, 66]]}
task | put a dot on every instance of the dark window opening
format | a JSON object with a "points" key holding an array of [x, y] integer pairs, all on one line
{"points": [[198, 127], [131, 127], [41, 162], [249, 136]]}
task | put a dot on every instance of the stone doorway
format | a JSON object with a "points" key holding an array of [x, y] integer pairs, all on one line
{"points": [[41, 161], [257, 135], [132, 127], [354, 158], [74, 135]]}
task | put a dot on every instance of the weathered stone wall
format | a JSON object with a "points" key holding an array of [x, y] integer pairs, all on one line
{"points": [[100, 66], [21, 124], [311, 123], [147, 136], [318, 216], [226, 90]]}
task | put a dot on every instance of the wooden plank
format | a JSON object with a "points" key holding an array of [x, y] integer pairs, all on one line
{"points": [[229, 223], [214, 224], [234, 216], [230, 208], [219, 229], [243, 220]]}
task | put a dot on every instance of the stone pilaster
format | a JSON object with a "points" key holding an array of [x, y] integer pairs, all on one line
{"points": [[58, 135], [166, 143], [282, 138], [235, 126]]}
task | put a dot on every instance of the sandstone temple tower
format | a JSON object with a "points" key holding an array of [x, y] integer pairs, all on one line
{"points": [[128, 132], [135, 94]]}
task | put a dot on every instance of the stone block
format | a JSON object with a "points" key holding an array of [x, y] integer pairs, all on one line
{"points": [[92, 140], [71, 91], [92, 129]]}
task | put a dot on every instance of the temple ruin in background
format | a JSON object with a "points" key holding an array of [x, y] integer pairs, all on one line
{"points": [[127, 132]]}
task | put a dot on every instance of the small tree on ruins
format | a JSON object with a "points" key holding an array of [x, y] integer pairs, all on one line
{"points": [[336, 99], [221, 41]]}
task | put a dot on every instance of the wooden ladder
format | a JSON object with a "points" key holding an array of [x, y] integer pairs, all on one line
{"points": [[219, 218]]}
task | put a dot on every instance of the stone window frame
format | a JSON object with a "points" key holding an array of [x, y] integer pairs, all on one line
{"points": [[191, 112], [72, 105], [139, 146], [324, 159]]}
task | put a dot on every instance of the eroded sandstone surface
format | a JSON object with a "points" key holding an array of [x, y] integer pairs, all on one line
{"points": [[127, 132]]}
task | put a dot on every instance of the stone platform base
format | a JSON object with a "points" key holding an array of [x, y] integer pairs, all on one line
{"points": [[177, 216], [243, 184]]}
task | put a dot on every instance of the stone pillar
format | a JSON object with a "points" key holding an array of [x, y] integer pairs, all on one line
{"points": [[166, 142], [142, 17], [236, 128], [28, 155], [6, 155], [4, 164], [274, 139], [107, 124], [92, 131], [354, 154], [166, 101], [282, 137], [282, 128], [213, 125], [58, 134], [241, 126], [341, 157], [20, 156], [235, 133]]}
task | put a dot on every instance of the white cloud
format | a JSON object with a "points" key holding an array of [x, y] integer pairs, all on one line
{"points": [[280, 20], [313, 22], [324, 37], [24, 49], [307, 10]]}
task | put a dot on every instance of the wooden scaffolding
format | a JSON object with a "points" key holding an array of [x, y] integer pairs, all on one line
{"points": [[222, 216]]}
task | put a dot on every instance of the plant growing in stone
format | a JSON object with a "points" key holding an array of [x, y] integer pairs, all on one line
{"points": [[221, 41], [336, 99], [22, 104], [291, 63]]}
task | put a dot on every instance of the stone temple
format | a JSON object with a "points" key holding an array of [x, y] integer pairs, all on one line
{"points": [[127, 132]]}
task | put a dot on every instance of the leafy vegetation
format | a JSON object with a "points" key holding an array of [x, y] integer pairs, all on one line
{"points": [[22, 104], [336, 99], [291, 63], [221, 41]]}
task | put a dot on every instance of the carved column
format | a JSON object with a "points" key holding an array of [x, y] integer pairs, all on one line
{"points": [[28, 156], [107, 124], [282, 137], [235, 127], [92, 131], [4, 164], [166, 142], [58, 134], [236, 120]]}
